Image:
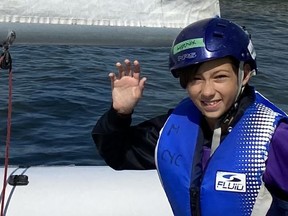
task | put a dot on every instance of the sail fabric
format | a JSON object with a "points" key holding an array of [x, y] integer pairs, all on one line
{"points": [[148, 13], [99, 22]]}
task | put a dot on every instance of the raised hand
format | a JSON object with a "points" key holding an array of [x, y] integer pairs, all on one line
{"points": [[127, 87]]}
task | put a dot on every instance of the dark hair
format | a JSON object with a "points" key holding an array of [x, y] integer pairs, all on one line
{"points": [[186, 74]]}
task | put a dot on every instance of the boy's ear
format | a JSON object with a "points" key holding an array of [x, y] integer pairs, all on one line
{"points": [[247, 74]]}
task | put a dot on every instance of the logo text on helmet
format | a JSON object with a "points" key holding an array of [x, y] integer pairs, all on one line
{"points": [[188, 44], [187, 56]]}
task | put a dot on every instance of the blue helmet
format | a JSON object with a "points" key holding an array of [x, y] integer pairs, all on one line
{"points": [[210, 39]]}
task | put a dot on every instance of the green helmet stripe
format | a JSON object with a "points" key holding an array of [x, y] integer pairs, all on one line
{"points": [[188, 44]]}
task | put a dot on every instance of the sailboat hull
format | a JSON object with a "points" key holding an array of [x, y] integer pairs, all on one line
{"points": [[85, 190]]}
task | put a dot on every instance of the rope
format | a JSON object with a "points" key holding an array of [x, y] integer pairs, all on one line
{"points": [[8, 136]]}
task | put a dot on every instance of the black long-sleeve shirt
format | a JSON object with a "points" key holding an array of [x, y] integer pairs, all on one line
{"points": [[125, 147]]}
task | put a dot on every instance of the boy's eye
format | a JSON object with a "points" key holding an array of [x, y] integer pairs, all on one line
{"points": [[196, 78], [222, 76]]}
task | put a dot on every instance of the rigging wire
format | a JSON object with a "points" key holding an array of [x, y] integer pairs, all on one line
{"points": [[6, 63]]}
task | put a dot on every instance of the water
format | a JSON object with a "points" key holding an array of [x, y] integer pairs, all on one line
{"points": [[59, 92]]}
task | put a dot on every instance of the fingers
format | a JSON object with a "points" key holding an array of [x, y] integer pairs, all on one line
{"points": [[112, 77], [136, 72], [121, 71], [126, 70]]}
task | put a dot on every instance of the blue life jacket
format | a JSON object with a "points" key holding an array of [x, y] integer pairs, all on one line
{"points": [[233, 176]]}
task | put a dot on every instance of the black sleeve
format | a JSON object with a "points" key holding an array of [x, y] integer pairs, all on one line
{"points": [[123, 146]]}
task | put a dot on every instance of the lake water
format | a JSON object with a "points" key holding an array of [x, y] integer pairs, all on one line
{"points": [[59, 92]]}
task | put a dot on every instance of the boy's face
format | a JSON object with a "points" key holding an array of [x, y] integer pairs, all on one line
{"points": [[213, 88]]}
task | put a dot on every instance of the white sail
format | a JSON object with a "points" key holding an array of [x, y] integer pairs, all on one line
{"points": [[109, 22]]}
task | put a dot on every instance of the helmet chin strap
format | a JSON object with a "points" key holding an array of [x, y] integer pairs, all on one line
{"points": [[240, 80]]}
